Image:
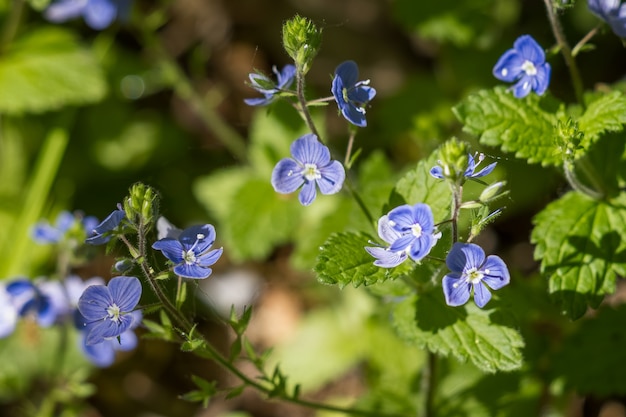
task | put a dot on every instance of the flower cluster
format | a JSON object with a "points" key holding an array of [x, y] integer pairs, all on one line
{"points": [[440, 171], [45, 233]]}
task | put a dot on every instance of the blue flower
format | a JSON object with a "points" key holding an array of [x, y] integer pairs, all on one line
{"points": [[384, 257], [103, 354], [269, 88], [190, 251], [351, 96], [98, 14], [417, 230], [45, 300], [472, 271], [526, 65], [100, 234], [43, 232], [106, 309], [8, 313], [311, 165], [438, 171], [612, 12]]}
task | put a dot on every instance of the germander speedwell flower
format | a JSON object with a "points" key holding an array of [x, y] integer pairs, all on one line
{"points": [[269, 88], [526, 65], [311, 165], [470, 172], [386, 258], [351, 96], [107, 308], [101, 233], [612, 12], [471, 271], [190, 252], [417, 228]]}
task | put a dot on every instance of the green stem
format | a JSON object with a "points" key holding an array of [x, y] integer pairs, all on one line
{"points": [[304, 109], [557, 30], [457, 197], [183, 88], [359, 201], [576, 49], [346, 161], [38, 189], [572, 179], [428, 384]]}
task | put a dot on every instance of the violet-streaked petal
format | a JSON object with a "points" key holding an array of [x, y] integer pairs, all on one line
{"points": [[474, 255], [386, 258], [210, 258], [420, 247], [348, 71], [485, 171], [126, 292], [258, 101], [332, 179], [456, 259], [287, 176], [437, 172], [361, 95], [402, 243], [354, 114], [96, 332], [402, 217], [307, 193], [530, 50], [481, 295], [495, 272], [455, 291], [308, 150], [194, 271], [523, 87], [100, 354], [94, 302], [286, 76], [509, 66], [423, 216], [189, 236], [171, 248], [386, 232], [542, 78]]}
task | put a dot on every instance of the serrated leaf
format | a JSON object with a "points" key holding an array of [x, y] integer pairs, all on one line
{"points": [[47, 69], [605, 114], [259, 220], [516, 125], [598, 348], [343, 260], [486, 338], [418, 186], [581, 246]]}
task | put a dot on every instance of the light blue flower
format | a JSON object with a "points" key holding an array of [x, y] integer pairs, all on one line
{"points": [[472, 272], [351, 95], [470, 172], [45, 300], [100, 234], [103, 354], [107, 308], [525, 64], [98, 14], [310, 167], [8, 313], [386, 258], [416, 227], [612, 12], [269, 88], [191, 252]]}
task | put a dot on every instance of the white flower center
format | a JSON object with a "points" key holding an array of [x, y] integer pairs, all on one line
{"points": [[189, 257], [529, 68], [114, 313], [474, 275], [416, 229], [311, 172]]}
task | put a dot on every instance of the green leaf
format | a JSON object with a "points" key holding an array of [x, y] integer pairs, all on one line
{"points": [[418, 186], [486, 337], [598, 348], [581, 246], [343, 260], [605, 114], [259, 220], [47, 69], [516, 125]]}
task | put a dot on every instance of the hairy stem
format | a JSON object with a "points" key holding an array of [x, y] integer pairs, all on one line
{"points": [[557, 30], [304, 109], [346, 161], [576, 49]]}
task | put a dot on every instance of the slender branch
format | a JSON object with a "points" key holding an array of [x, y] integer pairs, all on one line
{"points": [[359, 201], [457, 197], [557, 30], [304, 109], [346, 161], [576, 49], [428, 384]]}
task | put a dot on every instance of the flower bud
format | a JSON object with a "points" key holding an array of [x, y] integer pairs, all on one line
{"points": [[301, 40], [568, 139], [123, 265], [141, 205], [492, 192], [453, 159]]}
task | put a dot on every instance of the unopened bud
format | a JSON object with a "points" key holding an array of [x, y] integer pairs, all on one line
{"points": [[492, 192], [301, 40]]}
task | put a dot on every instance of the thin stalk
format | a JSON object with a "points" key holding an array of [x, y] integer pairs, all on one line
{"points": [[576, 49], [346, 161], [557, 30], [428, 384], [572, 179], [304, 109], [182, 87], [457, 197], [359, 201]]}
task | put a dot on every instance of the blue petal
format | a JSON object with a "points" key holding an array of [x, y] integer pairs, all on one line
{"points": [[94, 302], [523, 87], [308, 150], [171, 248], [530, 50], [332, 179], [602, 8], [386, 258], [402, 242], [210, 258], [307, 193], [126, 292], [194, 271], [464, 256], [64, 10], [336, 89], [286, 76], [259, 81], [455, 291], [111, 222], [128, 341], [509, 66], [361, 95], [423, 216], [43, 232], [437, 172], [496, 274], [485, 171], [402, 216], [542, 78], [353, 114], [421, 246], [97, 332], [481, 295], [386, 232], [192, 238], [348, 72], [8, 314], [287, 176], [100, 354], [99, 14], [260, 101]]}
